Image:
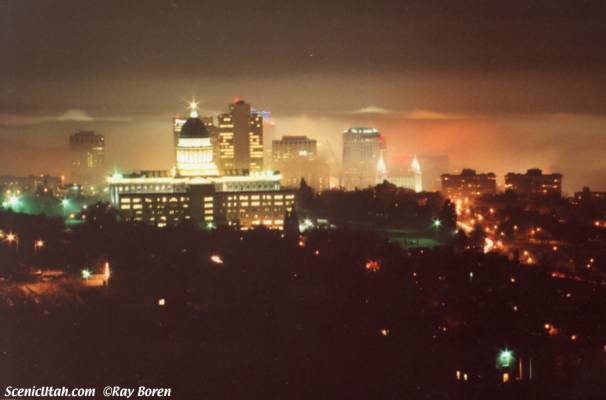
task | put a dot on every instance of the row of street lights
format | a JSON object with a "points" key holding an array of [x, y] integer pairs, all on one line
{"points": [[11, 238]]}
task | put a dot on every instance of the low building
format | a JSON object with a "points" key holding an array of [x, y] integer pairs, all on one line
{"points": [[241, 201], [587, 196], [316, 174], [534, 183], [30, 184], [468, 184]]}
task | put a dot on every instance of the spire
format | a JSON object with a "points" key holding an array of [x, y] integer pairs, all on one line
{"points": [[193, 108], [381, 170], [381, 167], [415, 166]]}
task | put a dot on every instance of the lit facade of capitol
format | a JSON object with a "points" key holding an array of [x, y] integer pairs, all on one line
{"points": [[194, 190]]}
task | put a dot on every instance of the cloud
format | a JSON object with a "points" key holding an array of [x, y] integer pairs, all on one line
{"points": [[74, 114], [416, 114], [419, 114], [371, 110], [78, 115], [70, 115]]}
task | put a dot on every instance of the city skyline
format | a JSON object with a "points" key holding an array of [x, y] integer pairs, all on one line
{"points": [[120, 157]]}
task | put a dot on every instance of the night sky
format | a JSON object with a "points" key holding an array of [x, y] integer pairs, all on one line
{"points": [[496, 85]]}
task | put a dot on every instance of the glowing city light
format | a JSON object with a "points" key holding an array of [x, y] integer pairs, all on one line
{"points": [[306, 225], [215, 258], [86, 273], [505, 358], [488, 245], [13, 201], [193, 108], [373, 265]]}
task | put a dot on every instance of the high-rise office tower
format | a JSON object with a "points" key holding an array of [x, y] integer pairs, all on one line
{"points": [[296, 158], [293, 147], [362, 149], [240, 140], [87, 151]]}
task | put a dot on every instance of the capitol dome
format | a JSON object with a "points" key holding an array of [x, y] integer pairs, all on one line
{"points": [[194, 128]]}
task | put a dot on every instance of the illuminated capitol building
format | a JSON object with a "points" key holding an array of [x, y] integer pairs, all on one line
{"points": [[199, 190]]}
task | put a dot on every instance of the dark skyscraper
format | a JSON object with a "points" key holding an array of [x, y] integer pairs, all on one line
{"points": [[241, 138], [87, 152], [362, 150]]}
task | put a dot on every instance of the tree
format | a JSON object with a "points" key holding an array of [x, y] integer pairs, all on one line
{"points": [[305, 195], [291, 224], [448, 216]]}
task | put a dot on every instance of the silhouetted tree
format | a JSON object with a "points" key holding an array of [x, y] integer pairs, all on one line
{"points": [[305, 196], [448, 215], [291, 224]]}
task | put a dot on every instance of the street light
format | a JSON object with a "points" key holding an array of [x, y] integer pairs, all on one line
{"points": [[13, 201], [216, 258], [38, 244], [10, 238], [436, 225]]}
